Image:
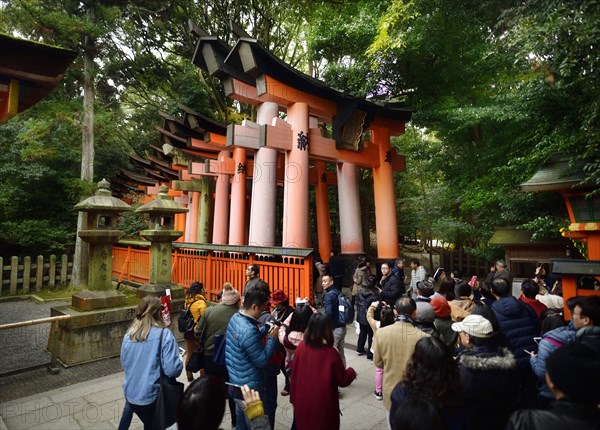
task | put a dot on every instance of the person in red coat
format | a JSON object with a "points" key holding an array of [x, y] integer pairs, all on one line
{"points": [[317, 372]]}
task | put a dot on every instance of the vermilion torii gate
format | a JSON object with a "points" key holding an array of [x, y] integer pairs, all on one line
{"points": [[207, 164], [293, 152]]}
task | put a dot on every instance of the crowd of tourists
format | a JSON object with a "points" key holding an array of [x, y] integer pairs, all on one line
{"points": [[447, 353]]}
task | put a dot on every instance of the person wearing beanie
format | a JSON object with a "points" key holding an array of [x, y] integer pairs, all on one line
{"points": [[215, 319], [573, 377], [425, 318], [488, 375], [442, 321]]}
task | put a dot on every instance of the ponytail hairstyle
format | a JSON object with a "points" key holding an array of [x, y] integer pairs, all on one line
{"points": [[148, 315]]}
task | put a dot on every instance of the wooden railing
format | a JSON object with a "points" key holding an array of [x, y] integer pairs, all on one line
{"points": [[24, 276], [288, 269]]}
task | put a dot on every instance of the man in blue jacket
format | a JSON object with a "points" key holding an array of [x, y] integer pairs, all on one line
{"points": [[520, 324], [331, 304], [245, 354]]}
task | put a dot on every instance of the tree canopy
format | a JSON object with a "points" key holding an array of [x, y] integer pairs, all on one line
{"points": [[498, 88]]}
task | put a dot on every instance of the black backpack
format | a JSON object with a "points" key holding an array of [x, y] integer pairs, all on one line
{"points": [[347, 315], [186, 321]]}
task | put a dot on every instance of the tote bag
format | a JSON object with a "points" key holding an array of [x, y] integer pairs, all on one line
{"points": [[169, 395]]}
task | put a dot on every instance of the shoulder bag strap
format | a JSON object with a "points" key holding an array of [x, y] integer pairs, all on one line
{"points": [[202, 337], [160, 355]]}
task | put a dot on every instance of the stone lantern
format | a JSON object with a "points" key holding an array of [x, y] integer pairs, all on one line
{"points": [[101, 232], [161, 234]]}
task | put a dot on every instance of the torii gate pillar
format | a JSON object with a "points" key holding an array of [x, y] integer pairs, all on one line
{"points": [[295, 206], [264, 187], [349, 204], [385, 202], [237, 217], [221, 214], [323, 221]]}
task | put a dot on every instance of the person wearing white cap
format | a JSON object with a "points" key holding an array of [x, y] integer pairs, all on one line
{"points": [[488, 375]]}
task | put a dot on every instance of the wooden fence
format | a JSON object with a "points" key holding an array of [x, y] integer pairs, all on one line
{"points": [[21, 275], [458, 259], [282, 268]]}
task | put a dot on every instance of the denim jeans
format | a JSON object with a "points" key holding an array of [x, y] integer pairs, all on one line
{"points": [[126, 416], [145, 414]]}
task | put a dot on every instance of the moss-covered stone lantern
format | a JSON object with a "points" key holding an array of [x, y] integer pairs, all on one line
{"points": [[161, 234], [101, 233]]}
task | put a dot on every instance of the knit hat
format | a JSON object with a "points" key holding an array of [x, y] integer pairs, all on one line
{"points": [[573, 369], [278, 297], [425, 313], [440, 307], [474, 325], [230, 297], [301, 302]]}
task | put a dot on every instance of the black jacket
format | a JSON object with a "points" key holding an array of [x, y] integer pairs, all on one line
{"points": [[363, 300], [563, 414], [491, 387], [331, 304], [391, 290]]}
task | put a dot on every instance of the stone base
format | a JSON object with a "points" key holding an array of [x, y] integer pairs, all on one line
{"points": [[88, 300], [160, 290], [94, 335], [88, 336]]}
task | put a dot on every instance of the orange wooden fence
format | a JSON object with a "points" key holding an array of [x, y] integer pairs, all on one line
{"points": [[287, 269]]}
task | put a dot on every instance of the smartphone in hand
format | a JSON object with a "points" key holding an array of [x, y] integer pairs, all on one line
{"points": [[473, 281], [234, 391]]}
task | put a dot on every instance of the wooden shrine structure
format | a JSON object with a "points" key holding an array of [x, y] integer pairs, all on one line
{"points": [[209, 166], [29, 71], [560, 175]]}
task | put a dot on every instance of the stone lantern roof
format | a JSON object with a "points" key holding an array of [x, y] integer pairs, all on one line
{"points": [[162, 204], [102, 201]]}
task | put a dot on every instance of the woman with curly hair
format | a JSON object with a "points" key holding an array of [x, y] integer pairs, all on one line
{"points": [[431, 374]]}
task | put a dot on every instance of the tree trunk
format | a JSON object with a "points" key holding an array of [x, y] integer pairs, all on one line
{"points": [[81, 257]]}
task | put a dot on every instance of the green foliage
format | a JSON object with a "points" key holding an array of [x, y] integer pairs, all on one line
{"points": [[34, 237], [545, 226], [498, 88], [132, 222]]}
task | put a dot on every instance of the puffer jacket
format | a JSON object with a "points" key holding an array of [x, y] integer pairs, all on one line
{"points": [[550, 342], [590, 336], [197, 306], [491, 386], [519, 324], [563, 414], [391, 289], [363, 301], [245, 354]]}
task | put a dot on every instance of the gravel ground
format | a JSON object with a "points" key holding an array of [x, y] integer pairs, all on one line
{"points": [[24, 347]]}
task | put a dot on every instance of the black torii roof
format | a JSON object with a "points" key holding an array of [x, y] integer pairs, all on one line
{"points": [[248, 60]]}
